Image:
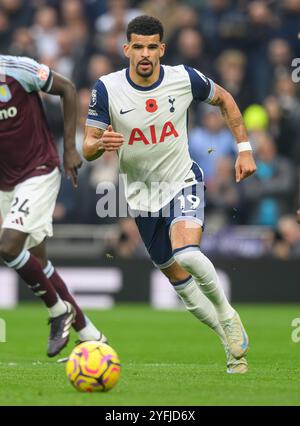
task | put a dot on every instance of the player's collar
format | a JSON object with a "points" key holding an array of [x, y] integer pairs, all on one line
{"points": [[146, 88]]}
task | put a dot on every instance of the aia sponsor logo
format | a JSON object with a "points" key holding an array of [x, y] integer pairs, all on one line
{"points": [[155, 136], [10, 112]]}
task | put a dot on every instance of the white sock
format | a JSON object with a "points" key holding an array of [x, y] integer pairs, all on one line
{"points": [[58, 309], [89, 332], [199, 305], [202, 270]]}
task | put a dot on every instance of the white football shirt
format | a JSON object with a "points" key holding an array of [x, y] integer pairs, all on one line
{"points": [[154, 159]]}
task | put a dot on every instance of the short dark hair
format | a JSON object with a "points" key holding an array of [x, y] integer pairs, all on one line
{"points": [[145, 25]]}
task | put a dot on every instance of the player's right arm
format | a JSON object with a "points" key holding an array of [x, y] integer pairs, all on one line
{"points": [[96, 141], [99, 134]]}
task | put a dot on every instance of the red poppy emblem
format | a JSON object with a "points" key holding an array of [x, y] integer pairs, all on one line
{"points": [[151, 105]]}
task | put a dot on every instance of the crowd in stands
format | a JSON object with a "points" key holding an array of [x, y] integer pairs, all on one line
{"points": [[248, 47]]}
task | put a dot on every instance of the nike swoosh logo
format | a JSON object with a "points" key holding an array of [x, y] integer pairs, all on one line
{"points": [[188, 211], [125, 112]]}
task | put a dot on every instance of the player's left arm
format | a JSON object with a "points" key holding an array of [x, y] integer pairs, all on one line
{"points": [[66, 90], [245, 164]]}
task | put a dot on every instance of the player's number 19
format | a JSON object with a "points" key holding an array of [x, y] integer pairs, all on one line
{"points": [[192, 199]]}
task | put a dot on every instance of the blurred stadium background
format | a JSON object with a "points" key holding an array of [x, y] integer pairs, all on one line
{"points": [[250, 48]]}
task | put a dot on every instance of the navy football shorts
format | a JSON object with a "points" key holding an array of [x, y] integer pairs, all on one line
{"points": [[188, 204]]}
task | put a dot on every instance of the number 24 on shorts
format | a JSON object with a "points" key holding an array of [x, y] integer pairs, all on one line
{"points": [[20, 206]]}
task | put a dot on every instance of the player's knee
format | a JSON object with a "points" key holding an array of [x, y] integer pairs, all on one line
{"points": [[174, 273], [178, 277], [185, 257], [41, 258], [9, 250], [183, 260]]}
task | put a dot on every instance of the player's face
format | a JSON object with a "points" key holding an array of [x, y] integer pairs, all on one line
{"points": [[144, 53]]}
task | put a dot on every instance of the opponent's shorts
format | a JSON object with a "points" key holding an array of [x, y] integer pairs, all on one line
{"points": [[29, 207], [187, 205]]}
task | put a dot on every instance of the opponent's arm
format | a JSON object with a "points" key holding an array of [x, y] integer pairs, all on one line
{"points": [[96, 141], [66, 90], [245, 164]]}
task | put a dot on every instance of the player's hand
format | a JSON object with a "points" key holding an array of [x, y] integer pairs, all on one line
{"points": [[244, 166], [111, 140], [72, 162]]}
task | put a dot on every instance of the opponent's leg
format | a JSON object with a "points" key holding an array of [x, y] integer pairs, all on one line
{"points": [[185, 239], [29, 268], [82, 325]]}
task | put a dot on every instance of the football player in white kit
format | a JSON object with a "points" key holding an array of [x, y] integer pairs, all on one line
{"points": [[141, 113]]}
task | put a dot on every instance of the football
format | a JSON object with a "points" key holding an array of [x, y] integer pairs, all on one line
{"points": [[93, 367]]}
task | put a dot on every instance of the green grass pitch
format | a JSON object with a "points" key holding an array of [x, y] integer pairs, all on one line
{"points": [[167, 357]]}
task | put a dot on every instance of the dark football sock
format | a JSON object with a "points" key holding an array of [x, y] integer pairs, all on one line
{"points": [[30, 270]]}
